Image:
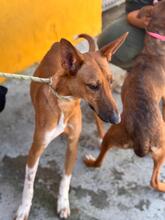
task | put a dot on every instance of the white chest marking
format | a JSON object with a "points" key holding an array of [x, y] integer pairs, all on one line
{"points": [[59, 129]]}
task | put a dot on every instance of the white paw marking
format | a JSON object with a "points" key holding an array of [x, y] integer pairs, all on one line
{"points": [[100, 140], [22, 212], [63, 199], [27, 196], [63, 208], [89, 157]]}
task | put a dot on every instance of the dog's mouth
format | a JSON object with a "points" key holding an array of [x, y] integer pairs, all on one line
{"points": [[98, 114], [91, 107], [114, 119]]}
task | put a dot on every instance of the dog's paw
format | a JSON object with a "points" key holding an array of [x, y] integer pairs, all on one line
{"points": [[63, 208], [22, 213], [100, 141], [90, 161]]}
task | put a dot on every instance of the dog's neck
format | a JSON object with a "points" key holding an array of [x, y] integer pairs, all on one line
{"points": [[154, 47], [61, 85]]}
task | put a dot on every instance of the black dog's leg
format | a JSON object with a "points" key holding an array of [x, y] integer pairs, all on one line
{"points": [[3, 91]]}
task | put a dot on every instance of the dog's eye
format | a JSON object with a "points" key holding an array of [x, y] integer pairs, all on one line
{"points": [[94, 87], [111, 81]]}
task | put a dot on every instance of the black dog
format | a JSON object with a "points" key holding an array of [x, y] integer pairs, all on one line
{"points": [[3, 92]]}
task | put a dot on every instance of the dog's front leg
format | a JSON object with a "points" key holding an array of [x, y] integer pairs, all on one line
{"points": [[30, 173], [63, 207], [73, 131]]}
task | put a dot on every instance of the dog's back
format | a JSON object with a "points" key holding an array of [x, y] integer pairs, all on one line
{"points": [[141, 94]]}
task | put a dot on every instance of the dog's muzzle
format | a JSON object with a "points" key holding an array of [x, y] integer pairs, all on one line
{"points": [[113, 117]]}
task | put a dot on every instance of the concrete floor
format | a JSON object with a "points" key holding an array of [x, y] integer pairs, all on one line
{"points": [[118, 190]]}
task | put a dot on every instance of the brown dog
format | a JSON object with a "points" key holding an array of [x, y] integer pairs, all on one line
{"points": [[57, 109], [142, 125]]}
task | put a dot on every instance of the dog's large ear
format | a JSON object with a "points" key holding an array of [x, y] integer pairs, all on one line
{"points": [[145, 12], [108, 50], [71, 58]]}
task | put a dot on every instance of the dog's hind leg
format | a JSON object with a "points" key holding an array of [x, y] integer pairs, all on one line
{"points": [[158, 156], [115, 136], [100, 127], [72, 130]]}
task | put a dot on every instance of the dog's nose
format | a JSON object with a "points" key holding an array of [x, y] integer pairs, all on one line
{"points": [[115, 118]]}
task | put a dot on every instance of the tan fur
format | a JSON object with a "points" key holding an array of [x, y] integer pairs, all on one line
{"points": [[85, 76]]}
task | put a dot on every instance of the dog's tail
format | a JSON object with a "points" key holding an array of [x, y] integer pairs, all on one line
{"points": [[141, 148], [91, 41]]}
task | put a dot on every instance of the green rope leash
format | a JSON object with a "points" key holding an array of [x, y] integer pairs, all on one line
{"points": [[24, 77], [39, 80]]}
